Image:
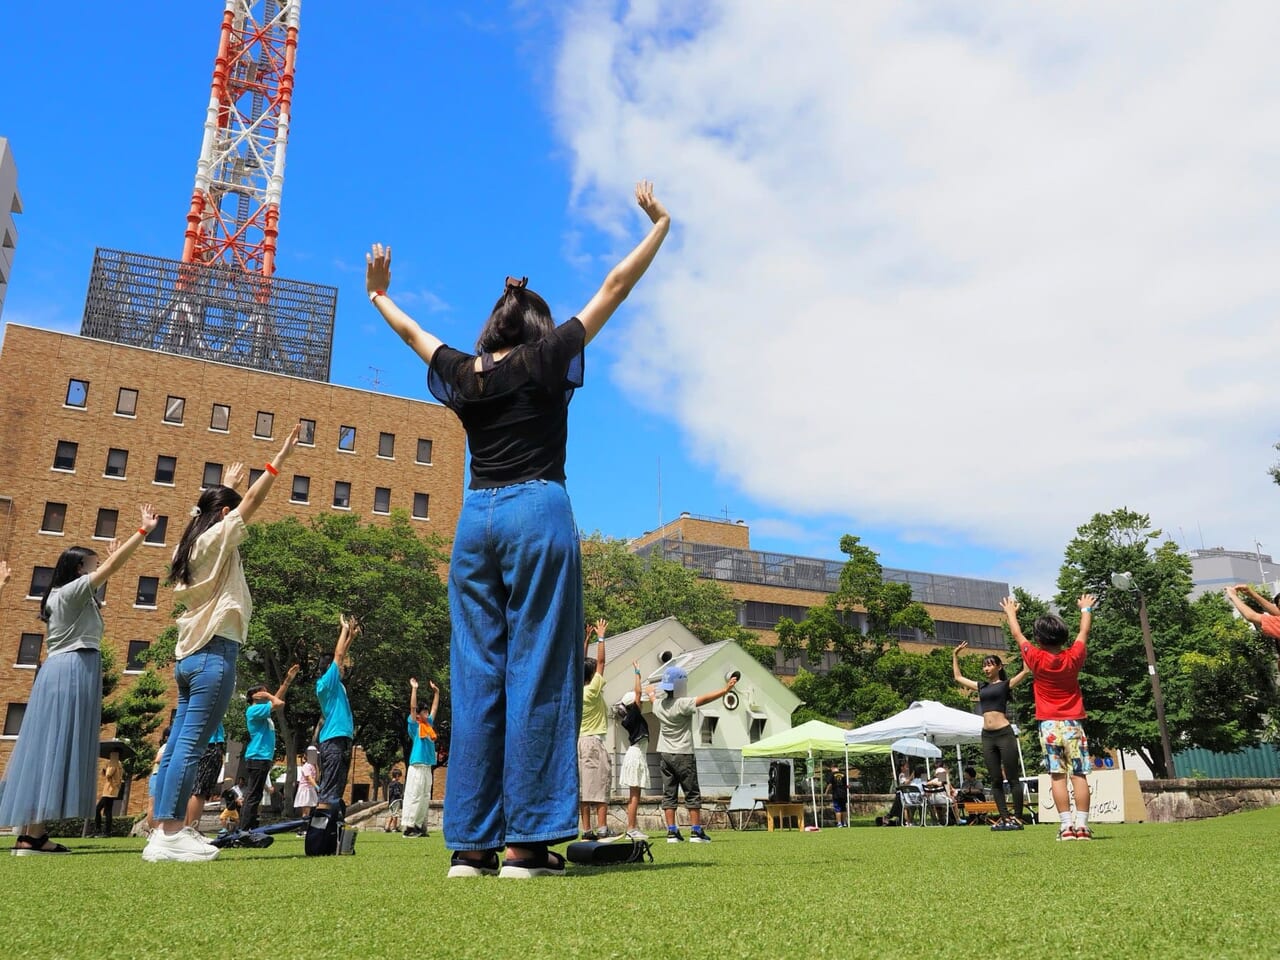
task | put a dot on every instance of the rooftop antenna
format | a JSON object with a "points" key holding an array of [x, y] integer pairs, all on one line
{"points": [[659, 492], [1261, 570], [375, 379]]}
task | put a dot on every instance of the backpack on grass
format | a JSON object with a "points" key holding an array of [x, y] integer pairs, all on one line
{"points": [[597, 853]]}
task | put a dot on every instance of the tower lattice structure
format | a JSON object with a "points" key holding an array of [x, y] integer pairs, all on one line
{"points": [[235, 206]]}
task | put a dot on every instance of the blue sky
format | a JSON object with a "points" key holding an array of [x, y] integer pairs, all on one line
{"points": [[949, 280]]}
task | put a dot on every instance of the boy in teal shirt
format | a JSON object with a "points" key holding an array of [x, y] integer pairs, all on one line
{"points": [[338, 726], [260, 751]]}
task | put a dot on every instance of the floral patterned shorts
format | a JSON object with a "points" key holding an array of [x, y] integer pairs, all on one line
{"points": [[1064, 744]]}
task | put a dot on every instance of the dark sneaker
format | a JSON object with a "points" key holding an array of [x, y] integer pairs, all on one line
{"points": [[698, 836], [674, 836], [460, 866], [604, 833], [590, 836]]}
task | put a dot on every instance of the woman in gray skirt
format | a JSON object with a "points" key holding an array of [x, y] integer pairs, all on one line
{"points": [[52, 773]]}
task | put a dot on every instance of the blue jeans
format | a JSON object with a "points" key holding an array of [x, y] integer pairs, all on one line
{"points": [[515, 660], [206, 680]]}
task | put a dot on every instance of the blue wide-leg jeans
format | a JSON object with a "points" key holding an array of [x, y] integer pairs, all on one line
{"points": [[206, 681], [515, 660]]}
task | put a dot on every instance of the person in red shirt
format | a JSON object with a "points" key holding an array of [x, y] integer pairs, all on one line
{"points": [[1055, 665], [1268, 621]]}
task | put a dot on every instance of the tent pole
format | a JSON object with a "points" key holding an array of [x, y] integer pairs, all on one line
{"points": [[813, 790]]}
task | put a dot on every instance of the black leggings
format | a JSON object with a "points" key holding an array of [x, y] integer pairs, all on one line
{"points": [[1000, 752], [104, 806]]}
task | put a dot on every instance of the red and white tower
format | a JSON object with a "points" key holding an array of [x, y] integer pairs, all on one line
{"points": [[235, 207]]}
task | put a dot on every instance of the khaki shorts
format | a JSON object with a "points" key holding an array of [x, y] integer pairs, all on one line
{"points": [[594, 768]]}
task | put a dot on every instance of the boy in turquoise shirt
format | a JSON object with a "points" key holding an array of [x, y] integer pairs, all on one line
{"points": [[338, 725]]}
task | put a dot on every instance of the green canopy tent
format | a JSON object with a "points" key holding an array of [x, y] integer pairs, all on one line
{"points": [[814, 739]]}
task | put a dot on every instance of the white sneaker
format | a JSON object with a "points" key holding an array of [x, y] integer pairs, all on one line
{"points": [[637, 835], [185, 846]]}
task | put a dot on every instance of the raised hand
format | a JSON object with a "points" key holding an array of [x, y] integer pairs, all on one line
{"points": [[292, 671], [290, 442], [432, 685], [377, 269], [236, 475], [4, 573], [1087, 600], [962, 645], [650, 204], [149, 517], [413, 683], [1010, 607], [601, 626]]}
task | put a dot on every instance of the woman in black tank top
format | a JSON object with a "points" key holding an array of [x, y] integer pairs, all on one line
{"points": [[999, 743]]}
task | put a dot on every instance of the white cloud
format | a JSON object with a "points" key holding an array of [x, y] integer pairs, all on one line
{"points": [[975, 270]]}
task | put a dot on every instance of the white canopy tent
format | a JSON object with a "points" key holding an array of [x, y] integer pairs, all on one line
{"points": [[928, 720]]}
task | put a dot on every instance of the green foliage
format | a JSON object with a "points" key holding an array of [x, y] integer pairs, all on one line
{"points": [[887, 609], [630, 591], [136, 712], [1215, 672]]}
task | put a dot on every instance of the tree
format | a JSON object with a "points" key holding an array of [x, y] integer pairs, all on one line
{"points": [[135, 712], [1216, 678], [301, 577], [861, 619], [630, 591]]}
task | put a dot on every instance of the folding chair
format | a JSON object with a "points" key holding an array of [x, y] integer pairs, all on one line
{"points": [[911, 801]]}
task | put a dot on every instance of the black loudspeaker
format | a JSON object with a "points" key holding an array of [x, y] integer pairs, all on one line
{"points": [[779, 782]]}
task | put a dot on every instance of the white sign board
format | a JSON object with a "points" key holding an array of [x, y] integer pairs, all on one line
{"points": [[1114, 797]]}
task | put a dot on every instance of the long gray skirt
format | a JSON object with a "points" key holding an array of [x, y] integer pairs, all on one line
{"points": [[53, 770]]}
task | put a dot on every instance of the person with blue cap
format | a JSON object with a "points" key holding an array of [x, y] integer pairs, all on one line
{"points": [[674, 710]]}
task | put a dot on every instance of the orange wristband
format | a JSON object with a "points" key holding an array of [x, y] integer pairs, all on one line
{"points": [[144, 532], [272, 470]]}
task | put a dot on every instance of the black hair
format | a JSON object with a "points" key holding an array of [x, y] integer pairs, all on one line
{"points": [[971, 772], [519, 316], [992, 658], [1050, 632], [254, 691], [66, 570], [588, 670], [165, 735], [1276, 599], [210, 505]]}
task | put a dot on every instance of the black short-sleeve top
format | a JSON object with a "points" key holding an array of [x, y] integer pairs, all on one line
{"points": [[516, 411], [994, 696]]}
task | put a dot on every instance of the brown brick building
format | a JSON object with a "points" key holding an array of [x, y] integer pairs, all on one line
{"points": [[770, 586], [92, 429]]}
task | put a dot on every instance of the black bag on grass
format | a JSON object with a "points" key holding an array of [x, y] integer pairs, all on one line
{"points": [[322, 831], [596, 853]]}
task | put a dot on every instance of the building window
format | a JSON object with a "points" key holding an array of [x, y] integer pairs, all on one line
{"points": [[117, 462], [212, 475], [263, 426], [424, 451], [64, 458], [307, 432], [127, 402], [254, 474], [757, 729], [147, 588], [41, 577], [174, 409], [13, 719], [135, 663], [347, 439], [301, 489], [55, 516], [77, 393], [29, 649], [157, 535], [420, 506], [387, 445], [708, 730], [220, 419], [105, 528], [166, 467], [342, 494], [381, 499]]}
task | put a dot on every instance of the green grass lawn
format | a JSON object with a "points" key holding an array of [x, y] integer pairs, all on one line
{"points": [[1204, 890]]}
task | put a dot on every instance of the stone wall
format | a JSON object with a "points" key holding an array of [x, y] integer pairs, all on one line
{"points": [[1169, 800]]}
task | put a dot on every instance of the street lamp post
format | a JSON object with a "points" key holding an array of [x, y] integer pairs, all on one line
{"points": [[1124, 581]]}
